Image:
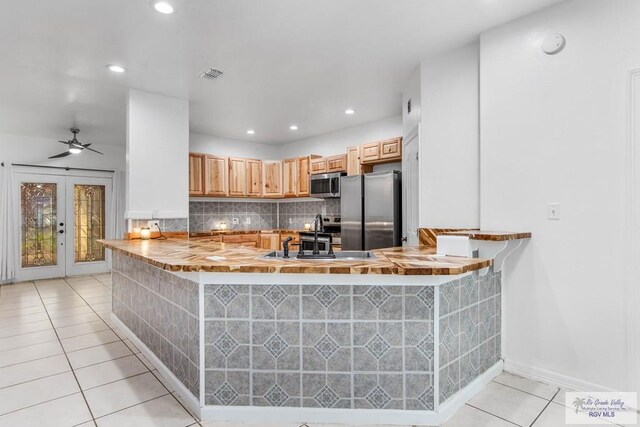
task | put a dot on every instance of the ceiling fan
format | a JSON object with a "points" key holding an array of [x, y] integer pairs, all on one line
{"points": [[75, 146]]}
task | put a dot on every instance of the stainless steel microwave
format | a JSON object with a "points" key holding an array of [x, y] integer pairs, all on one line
{"points": [[326, 185]]}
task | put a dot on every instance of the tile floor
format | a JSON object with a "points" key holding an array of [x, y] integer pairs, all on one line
{"points": [[64, 363]]}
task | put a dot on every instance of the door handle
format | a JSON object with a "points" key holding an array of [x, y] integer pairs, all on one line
{"points": [[404, 239]]}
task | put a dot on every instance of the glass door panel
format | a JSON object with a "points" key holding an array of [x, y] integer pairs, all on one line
{"points": [[41, 224], [89, 204]]}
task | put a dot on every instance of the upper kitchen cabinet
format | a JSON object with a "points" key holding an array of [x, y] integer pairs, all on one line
{"points": [[216, 172], [370, 152], [382, 151], [318, 166], [353, 162], [289, 180], [391, 149], [336, 163], [237, 177], [272, 179], [304, 174], [254, 178], [196, 174]]}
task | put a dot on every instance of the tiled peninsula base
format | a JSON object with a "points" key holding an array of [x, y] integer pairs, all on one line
{"points": [[392, 354]]}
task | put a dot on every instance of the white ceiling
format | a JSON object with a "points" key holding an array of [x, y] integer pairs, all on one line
{"points": [[285, 61]]}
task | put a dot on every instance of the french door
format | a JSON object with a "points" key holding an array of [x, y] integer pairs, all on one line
{"points": [[59, 219]]}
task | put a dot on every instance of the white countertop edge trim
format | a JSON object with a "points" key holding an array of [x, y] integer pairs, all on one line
{"points": [[208, 278]]}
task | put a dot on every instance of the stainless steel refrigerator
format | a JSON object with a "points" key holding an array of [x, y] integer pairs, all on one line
{"points": [[370, 210]]}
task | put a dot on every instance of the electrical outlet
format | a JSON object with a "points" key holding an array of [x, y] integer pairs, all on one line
{"points": [[553, 211], [235, 221], [153, 223], [248, 222]]}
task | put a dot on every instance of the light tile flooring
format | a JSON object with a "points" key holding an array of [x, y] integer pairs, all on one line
{"points": [[64, 363]]}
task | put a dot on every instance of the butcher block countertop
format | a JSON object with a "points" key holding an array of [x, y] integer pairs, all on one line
{"points": [[191, 255], [495, 236]]}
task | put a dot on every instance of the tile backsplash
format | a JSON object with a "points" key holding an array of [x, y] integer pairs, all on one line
{"points": [[207, 215], [295, 214], [167, 224]]}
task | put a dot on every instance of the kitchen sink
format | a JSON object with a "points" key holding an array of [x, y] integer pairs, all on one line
{"points": [[323, 256]]}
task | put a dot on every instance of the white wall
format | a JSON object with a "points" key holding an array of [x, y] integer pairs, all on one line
{"points": [[32, 150], [449, 164], [157, 156], [553, 130], [337, 142], [232, 147], [412, 91]]}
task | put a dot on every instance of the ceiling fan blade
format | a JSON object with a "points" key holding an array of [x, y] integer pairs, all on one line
{"points": [[65, 154], [91, 149], [86, 145], [64, 142]]}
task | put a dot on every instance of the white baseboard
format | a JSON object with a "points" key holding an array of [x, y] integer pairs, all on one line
{"points": [[552, 378], [351, 416], [191, 401], [459, 399]]}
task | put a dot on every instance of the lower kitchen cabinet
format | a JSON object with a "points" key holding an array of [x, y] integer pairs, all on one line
{"points": [[270, 241], [249, 239]]}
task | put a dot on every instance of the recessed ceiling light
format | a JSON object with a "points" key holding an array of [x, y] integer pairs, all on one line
{"points": [[251, 131], [116, 68], [293, 127], [349, 111], [163, 7]]}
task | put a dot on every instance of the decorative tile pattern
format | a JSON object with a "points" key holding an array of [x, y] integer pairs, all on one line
{"points": [[377, 296], [326, 295], [426, 296], [275, 345], [275, 295], [426, 398], [225, 294], [326, 346], [377, 346], [470, 330], [426, 346], [326, 397], [162, 310], [378, 398], [226, 344], [226, 394]]}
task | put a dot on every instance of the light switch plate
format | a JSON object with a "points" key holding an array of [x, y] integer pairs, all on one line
{"points": [[553, 211], [248, 220], [153, 222]]}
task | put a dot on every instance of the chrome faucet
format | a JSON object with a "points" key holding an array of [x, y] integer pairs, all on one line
{"points": [[318, 219]]}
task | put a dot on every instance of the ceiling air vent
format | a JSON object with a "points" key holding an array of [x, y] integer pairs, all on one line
{"points": [[211, 74]]}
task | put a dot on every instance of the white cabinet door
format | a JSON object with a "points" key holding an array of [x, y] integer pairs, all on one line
{"points": [[411, 186]]}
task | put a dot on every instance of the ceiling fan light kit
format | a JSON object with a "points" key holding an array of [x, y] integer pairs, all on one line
{"points": [[74, 146]]}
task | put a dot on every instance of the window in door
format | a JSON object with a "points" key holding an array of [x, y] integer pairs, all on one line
{"points": [[38, 222], [89, 215]]}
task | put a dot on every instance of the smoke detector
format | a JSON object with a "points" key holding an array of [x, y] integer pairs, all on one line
{"points": [[211, 74]]}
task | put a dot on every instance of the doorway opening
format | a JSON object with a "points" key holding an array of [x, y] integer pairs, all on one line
{"points": [[59, 220]]}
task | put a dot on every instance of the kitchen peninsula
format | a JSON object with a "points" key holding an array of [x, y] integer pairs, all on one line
{"points": [[403, 338]]}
